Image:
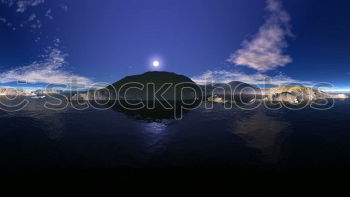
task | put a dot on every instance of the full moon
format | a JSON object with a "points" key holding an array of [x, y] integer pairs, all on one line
{"points": [[156, 63]]}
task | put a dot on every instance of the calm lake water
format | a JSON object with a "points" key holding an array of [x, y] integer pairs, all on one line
{"points": [[37, 138]]}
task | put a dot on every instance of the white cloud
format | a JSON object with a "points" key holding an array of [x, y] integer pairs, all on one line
{"points": [[36, 24], [22, 5], [8, 2], [48, 14], [265, 50], [50, 70], [3, 20], [64, 7], [225, 76], [32, 17]]}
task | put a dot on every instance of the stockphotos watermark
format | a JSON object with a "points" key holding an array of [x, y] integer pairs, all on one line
{"points": [[134, 96]]}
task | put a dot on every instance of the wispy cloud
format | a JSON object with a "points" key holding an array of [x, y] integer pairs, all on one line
{"points": [[50, 70], [265, 50], [64, 7], [9, 3], [3, 20], [6, 23], [48, 14], [32, 17], [225, 76], [22, 5]]}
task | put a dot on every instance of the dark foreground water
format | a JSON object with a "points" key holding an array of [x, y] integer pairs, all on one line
{"points": [[36, 138]]}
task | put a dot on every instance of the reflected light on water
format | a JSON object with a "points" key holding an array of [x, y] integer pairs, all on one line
{"points": [[48, 120], [263, 133], [155, 128], [155, 139]]}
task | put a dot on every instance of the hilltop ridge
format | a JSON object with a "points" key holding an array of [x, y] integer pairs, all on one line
{"points": [[134, 88]]}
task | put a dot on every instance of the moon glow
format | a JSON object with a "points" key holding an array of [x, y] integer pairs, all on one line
{"points": [[156, 63]]}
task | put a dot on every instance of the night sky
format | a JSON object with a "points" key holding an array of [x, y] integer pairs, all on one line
{"points": [[298, 41]]}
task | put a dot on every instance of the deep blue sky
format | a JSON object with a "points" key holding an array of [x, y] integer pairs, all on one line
{"points": [[107, 40]]}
